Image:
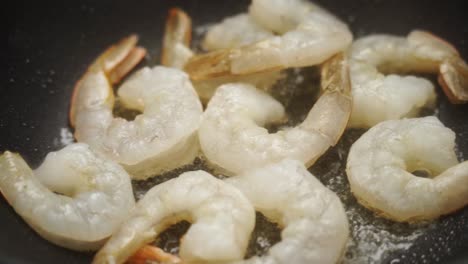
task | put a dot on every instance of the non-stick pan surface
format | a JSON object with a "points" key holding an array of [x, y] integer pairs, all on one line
{"points": [[50, 44]]}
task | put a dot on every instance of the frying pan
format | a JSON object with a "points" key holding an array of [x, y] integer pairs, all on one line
{"points": [[50, 44]]}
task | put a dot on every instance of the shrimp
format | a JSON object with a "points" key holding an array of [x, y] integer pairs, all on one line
{"points": [[163, 137], [75, 199], [308, 36], [176, 49], [231, 136], [314, 223], [222, 220], [378, 97], [315, 226], [380, 163]]}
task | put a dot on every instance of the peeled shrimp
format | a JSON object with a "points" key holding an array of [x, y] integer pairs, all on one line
{"points": [[315, 226], [308, 36], [379, 97], [222, 220], [176, 49], [314, 223], [161, 138], [381, 161], [231, 133], [75, 199]]}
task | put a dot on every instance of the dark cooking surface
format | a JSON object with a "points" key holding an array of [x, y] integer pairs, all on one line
{"points": [[50, 45]]}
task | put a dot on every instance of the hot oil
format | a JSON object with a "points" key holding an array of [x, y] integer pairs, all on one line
{"points": [[296, 92], [169, 240], [141, 187], [265, 235], [372, 239], [120, 110]]}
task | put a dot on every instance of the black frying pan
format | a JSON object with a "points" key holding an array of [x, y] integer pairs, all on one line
{"points": [[51, 43]]}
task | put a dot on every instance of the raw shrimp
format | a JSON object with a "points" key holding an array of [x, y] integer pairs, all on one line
{"points": [[315, 226], [379, 97], [161, 138], [231, 133], [75, 199], [381, 162], [222, 220], [314, 223], [308, 36], [176, 49]]}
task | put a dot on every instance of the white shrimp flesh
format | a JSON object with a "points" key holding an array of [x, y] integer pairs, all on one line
{"points": [[234, 32]]}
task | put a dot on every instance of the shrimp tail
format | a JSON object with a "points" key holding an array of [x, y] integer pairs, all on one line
{"points": [[149, 253], [210, 65], [178, 30], [127, 64], [336, 88], [116, 62], [453, 78], [453, 70]]}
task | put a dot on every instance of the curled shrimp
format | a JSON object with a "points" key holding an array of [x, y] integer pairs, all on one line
{"points": [[75, 199], [222, 221], [176, 49], [379, 97], [231, 133], [309, 35], [314, 223], [381, 162], [161, 138]]}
